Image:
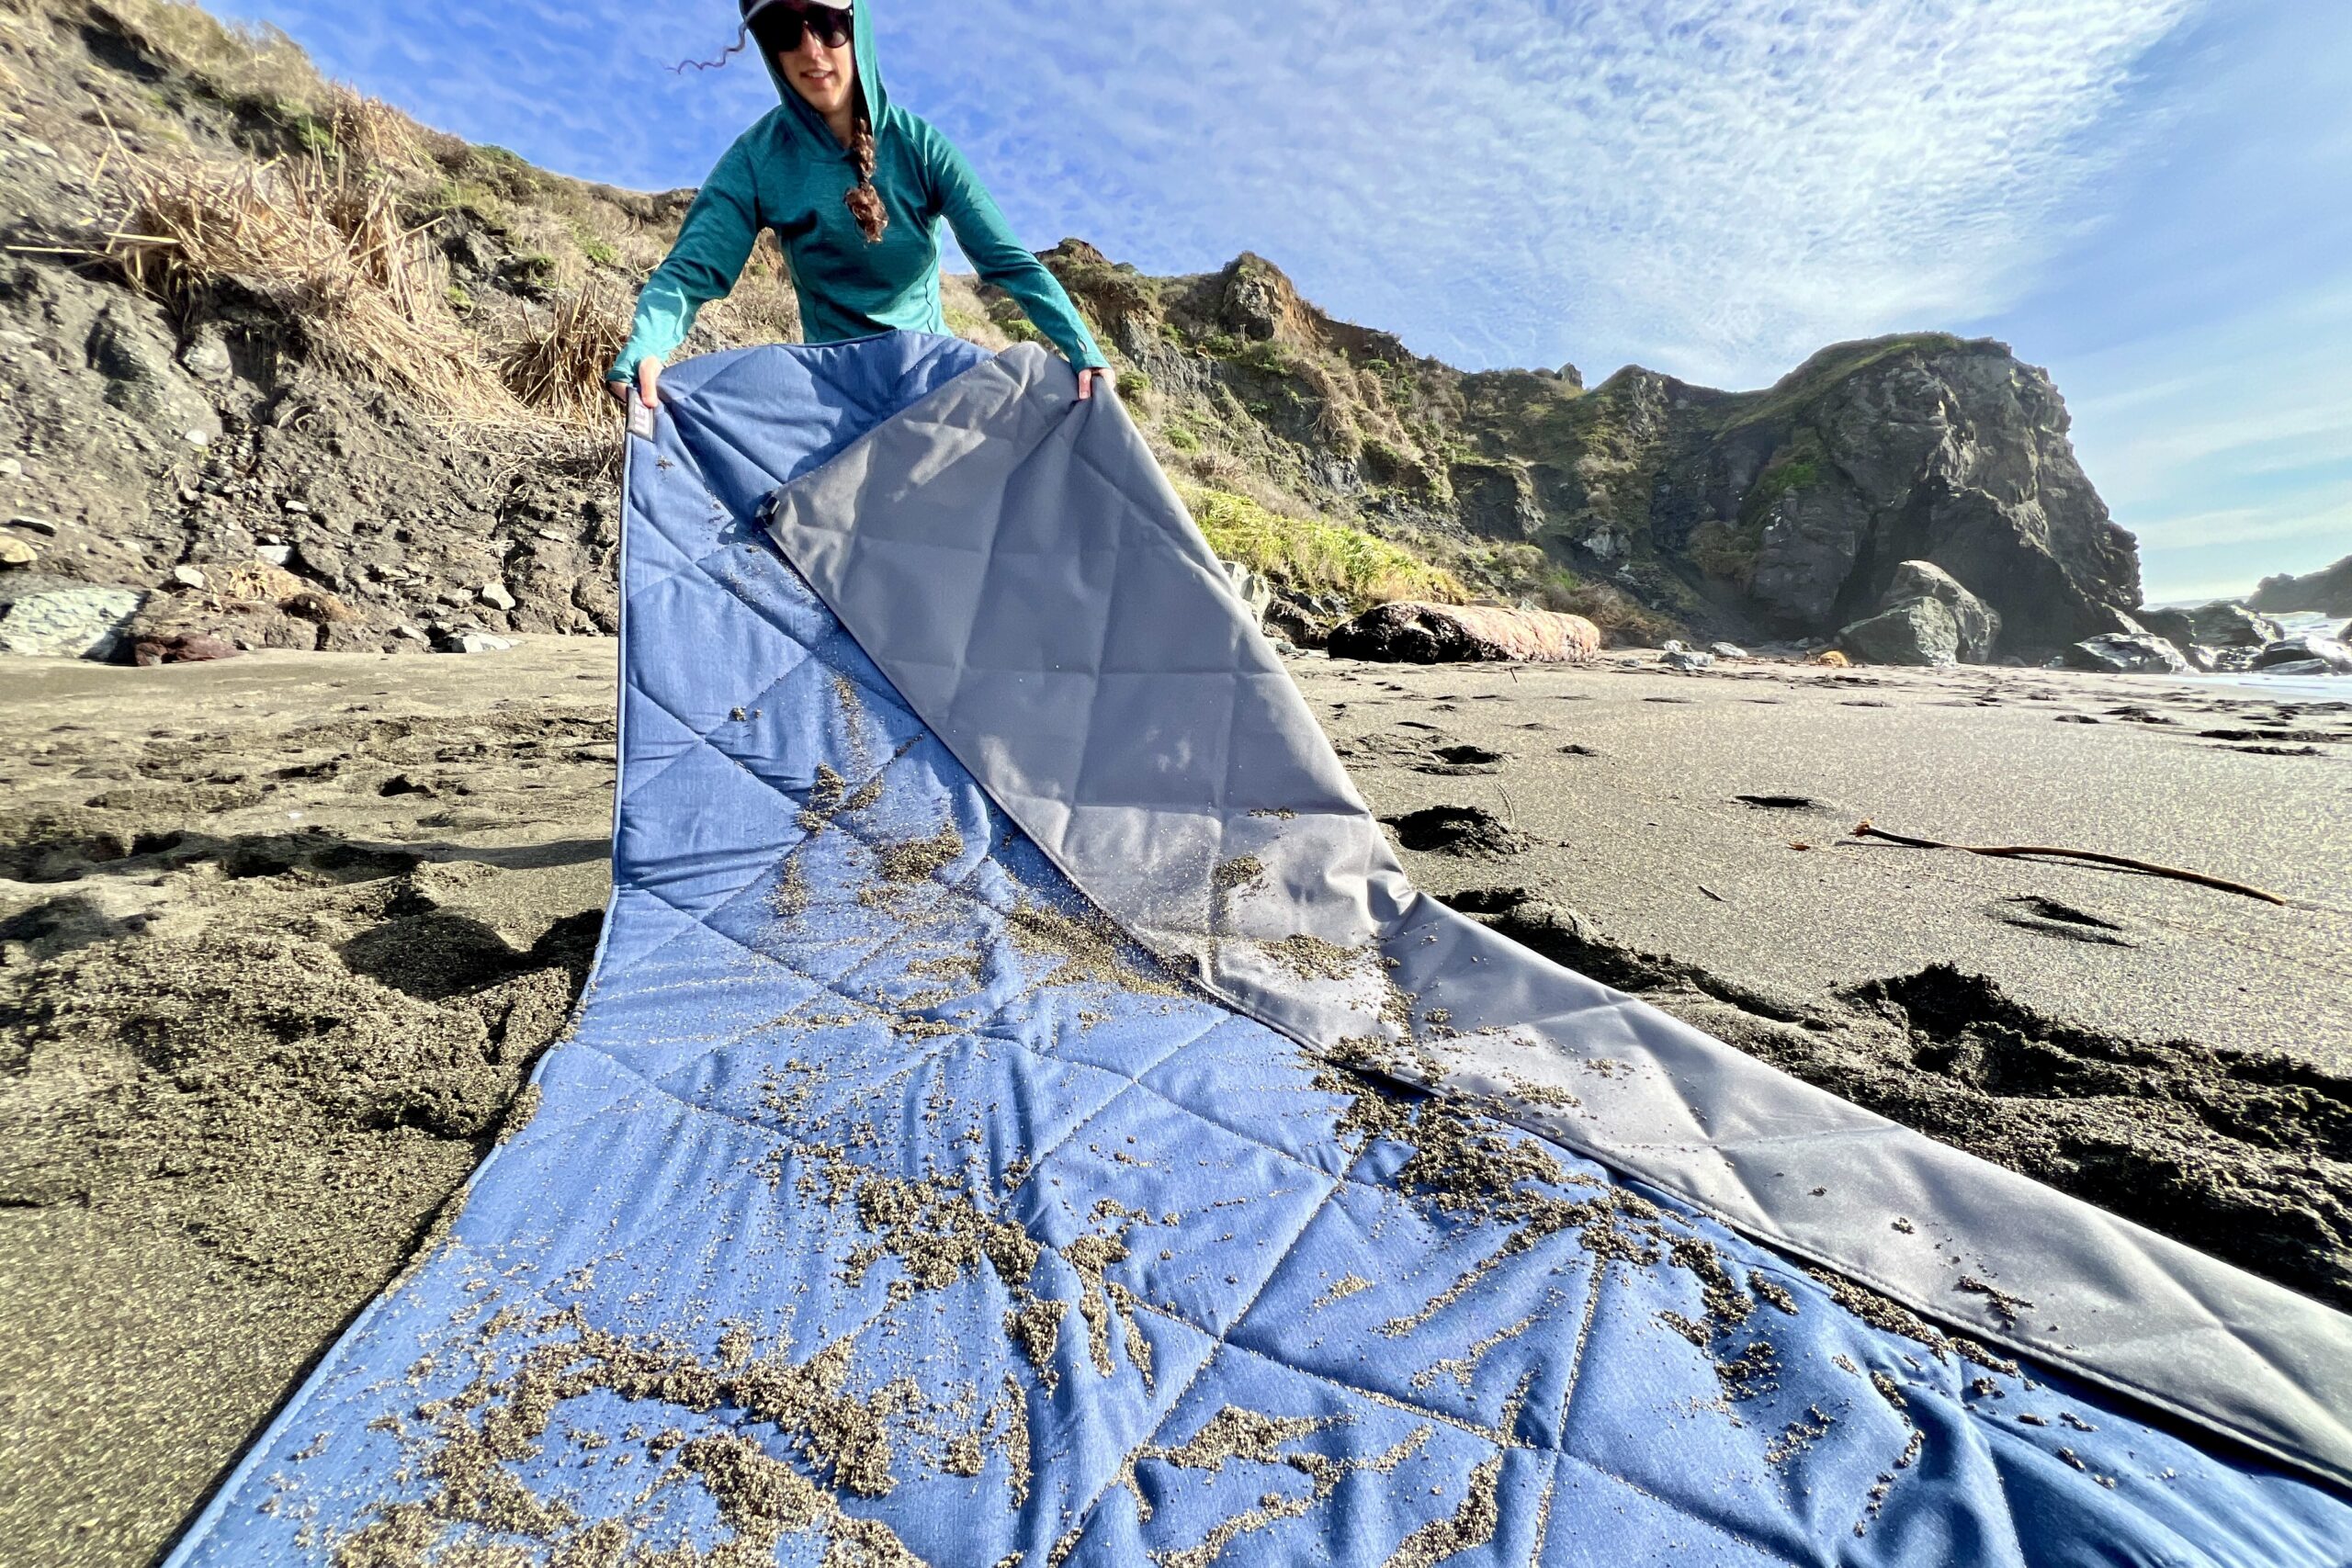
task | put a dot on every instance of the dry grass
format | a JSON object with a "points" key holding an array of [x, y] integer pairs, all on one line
{"points": [[323, 239], [555, 362], [324, 245], [378, 136], [1624, 621], [762, 308], [253, 62]]}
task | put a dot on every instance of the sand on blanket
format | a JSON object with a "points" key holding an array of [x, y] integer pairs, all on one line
{"points": [[282, 937]]}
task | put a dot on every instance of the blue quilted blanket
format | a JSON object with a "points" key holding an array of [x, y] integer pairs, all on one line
{"points": [[890, 1204]]}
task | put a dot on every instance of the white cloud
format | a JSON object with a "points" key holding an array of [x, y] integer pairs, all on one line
{"points": [[1715, 185]]}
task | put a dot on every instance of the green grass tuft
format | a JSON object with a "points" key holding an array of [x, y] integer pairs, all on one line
{"points": [[1317, 558]]}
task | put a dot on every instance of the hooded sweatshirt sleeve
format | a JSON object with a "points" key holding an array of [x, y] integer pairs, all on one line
{"points": [[714, 242], [989, 243]]}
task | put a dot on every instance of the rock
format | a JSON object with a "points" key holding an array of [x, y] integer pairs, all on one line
{"points": [[2310, 647], [2106, 620], [1727, 650], [1918, 631], [261, 583], [469, 640], [1445, 634], [1938, 449], [1673, 645], [1980, 624], [68, 623], [2302, 667], [320, 609], [1255, 299], [2177, 628], [407, 633], [131, 349], [2328, 591], [10, 469], [1297, 624], [41, 525], [16, 553], [190, 577], [1687, 661], [2227, 624], [295, 508], [2119, 653], [2202, 657], [184, 648], [279, 556], [206, 356], [495, 595]]}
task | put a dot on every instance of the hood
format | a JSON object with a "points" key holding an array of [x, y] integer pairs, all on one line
{"points": [[869, 79]]}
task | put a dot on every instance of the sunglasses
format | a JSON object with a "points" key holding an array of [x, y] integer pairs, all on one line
{"points": [[779, 27]]}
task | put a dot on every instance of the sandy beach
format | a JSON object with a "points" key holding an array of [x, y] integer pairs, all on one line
{"points": [[280, 937], [1665, 808]]}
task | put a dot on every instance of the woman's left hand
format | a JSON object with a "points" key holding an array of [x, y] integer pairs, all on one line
{"points": [[1085, 379]]}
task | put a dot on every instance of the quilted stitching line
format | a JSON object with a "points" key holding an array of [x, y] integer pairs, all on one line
{"points": [[1333, 1184], [1220, 1342], [1221, 1345]]}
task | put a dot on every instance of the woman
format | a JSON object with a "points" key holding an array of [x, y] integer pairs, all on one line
{"points": [[853, 188]]}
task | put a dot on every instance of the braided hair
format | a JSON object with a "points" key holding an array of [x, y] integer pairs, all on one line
{"points": [[864, 201]]}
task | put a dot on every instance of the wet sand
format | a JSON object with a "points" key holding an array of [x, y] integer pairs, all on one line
{"points": [[280, 937], [1666, 809]]}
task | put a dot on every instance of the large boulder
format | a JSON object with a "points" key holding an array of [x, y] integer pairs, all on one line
{"points": [[2226, 623], [68, 623], [1411, 633], [2305, 650], [2176, 626], [1980, 624], [1918, 631], [2121, 653], [132, 348]]}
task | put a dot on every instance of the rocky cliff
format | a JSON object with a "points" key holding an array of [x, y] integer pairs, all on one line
{"points": [[1780, 512], [381, 422], [2328, 591]]}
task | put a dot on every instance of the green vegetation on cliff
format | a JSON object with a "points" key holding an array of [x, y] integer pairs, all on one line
{"points": [[1304, 556]]}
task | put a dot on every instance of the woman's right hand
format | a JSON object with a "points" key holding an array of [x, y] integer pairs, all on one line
{"points": [[649, 383]]}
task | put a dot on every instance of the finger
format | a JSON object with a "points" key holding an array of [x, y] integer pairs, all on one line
{"points": [[649, 381], [1085, 385]]}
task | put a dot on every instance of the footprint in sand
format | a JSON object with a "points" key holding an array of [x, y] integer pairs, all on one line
{"points": [[1454, 760], [1465, 830]]}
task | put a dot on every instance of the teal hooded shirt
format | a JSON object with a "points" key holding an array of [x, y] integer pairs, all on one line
{"points": [[789, 173]]}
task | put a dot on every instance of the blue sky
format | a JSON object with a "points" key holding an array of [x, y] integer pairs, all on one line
{"points": [[2151, 198]]}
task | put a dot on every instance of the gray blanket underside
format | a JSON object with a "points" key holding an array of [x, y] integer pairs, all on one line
{"points": [[1018, 566]]}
